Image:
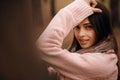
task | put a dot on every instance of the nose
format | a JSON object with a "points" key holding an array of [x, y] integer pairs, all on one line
{"points": [[82, 33]]}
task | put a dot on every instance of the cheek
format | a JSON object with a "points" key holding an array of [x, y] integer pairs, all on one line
{"points": [[93, 36], [75, 34]]}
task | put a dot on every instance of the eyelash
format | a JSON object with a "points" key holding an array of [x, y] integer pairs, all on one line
{"points": [[89, 27], [77, 27]]}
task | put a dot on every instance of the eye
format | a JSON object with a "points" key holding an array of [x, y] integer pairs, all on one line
{"points": [[89, 27], [77, 27]]}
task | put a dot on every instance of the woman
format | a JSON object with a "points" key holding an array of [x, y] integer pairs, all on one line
{"points": [[92, 54], [96, 27]]}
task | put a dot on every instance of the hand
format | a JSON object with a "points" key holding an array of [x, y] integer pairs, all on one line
{"points": [[93, 3], [51, 70]]}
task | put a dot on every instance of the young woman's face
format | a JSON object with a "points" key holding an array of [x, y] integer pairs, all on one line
{"points": [[85, 34]]}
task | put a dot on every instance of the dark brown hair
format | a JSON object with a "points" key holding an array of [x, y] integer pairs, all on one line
{"points": [[101, 23]]}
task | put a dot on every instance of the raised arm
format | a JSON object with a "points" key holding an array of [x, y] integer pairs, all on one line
{"points": [[69, 64]]}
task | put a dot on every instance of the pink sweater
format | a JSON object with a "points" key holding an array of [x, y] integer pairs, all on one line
{"points": [[70, 65]]}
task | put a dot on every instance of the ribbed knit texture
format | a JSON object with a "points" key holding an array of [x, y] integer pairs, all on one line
{"points": [[79, 10], [73, 66]]}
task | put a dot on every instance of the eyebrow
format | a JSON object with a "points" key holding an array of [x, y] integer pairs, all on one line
{"points": [[87, 23]]}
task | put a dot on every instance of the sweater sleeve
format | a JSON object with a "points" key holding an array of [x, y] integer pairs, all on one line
{"points": [[72, 65]]}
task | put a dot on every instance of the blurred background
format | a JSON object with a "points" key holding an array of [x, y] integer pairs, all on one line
{"points": [[21, 23]]}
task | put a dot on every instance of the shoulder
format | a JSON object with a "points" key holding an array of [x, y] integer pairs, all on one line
{"points": [[101, 64]]}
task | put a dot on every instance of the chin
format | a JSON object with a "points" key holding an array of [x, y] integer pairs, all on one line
{"points": [[84, 47]]}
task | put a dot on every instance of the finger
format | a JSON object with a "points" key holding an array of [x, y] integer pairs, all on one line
{"points": [[97, 10], [93, 3]]}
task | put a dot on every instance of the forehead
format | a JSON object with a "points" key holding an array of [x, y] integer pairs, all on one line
{"points": [[85, 21]]}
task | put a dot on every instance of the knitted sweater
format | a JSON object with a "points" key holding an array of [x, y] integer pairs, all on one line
{"points": [[74, 66]]}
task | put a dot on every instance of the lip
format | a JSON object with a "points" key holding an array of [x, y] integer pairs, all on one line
{"points": [[83, 41]]}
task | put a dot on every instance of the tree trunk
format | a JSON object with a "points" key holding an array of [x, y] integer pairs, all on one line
{"points": [[52, 8], [18, 59], [114, 5]]}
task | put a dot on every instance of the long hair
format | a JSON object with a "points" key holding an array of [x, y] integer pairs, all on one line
{"points": [[101, 23]]}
